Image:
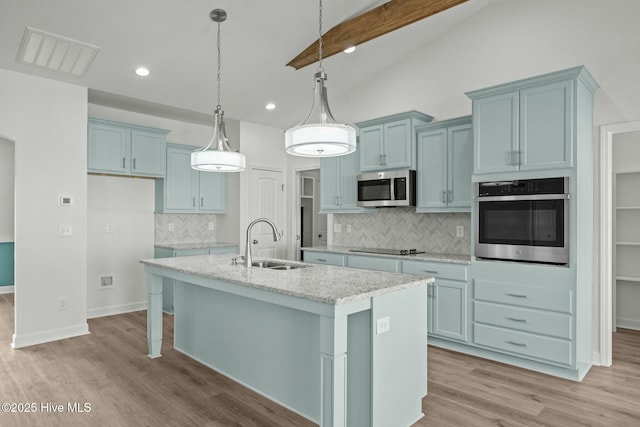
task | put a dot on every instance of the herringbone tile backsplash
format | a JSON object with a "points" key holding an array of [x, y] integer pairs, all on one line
{"points": [[403, 228], [187, 228]]}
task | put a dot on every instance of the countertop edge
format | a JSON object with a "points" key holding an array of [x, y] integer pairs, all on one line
{"points": [[429, 257]]}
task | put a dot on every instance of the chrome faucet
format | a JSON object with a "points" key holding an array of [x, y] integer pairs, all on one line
{"points": [[247, 248]]}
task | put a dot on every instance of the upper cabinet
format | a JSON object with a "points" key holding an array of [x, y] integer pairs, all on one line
{"points": [[185, 190], [339, 189], [529, 124], [389, 142], [445, 164], [124, 149]]}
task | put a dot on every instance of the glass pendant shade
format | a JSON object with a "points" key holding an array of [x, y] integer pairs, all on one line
{"points": [[221, 158], [318, 135]]}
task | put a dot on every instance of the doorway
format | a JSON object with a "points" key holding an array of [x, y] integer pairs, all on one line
{"points": [[608, 239], [7, 215], [311, 225]]}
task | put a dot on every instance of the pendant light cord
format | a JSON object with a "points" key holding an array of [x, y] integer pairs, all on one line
{"points": [[219, 66], [320, 38]]}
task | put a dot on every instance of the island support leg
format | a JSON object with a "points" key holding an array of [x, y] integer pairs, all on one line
{"points": [[333, 354], [154, 315]]}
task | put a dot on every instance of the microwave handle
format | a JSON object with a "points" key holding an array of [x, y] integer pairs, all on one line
{"points": [[393, 188]]}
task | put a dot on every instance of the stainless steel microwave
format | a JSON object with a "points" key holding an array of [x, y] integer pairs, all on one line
{"points": [[524, 220], [387, 188]]}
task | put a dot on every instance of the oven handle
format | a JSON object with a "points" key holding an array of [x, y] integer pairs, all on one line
{"points": [[527, 197]]}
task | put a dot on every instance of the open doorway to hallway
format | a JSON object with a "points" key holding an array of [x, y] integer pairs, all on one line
{"points": [[311, 224]]}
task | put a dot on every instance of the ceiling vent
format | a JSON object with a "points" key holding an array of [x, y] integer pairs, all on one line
{"points": [[54, 52]]}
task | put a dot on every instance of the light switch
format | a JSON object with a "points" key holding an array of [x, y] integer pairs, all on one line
{"points": [[65, 230], [460, 231]]}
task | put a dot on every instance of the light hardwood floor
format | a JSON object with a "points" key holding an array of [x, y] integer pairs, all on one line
{"points": [[109, 369]]}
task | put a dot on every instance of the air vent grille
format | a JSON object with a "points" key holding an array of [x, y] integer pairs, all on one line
{"points": [[55, 52]]}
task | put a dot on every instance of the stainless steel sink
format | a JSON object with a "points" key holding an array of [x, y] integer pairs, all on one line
{"points": [[272, 265]]}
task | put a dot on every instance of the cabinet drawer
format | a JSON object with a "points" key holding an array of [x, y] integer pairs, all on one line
{"points": [[523, 319], [530, 345], [435, 269], [192, 252], [524, 296], [325, 258], [374, 263]]}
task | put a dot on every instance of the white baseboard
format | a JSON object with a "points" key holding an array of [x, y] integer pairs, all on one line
{"points": [[596, 359], [116, 309], [6, 289], [20, 341], [628, 323]]}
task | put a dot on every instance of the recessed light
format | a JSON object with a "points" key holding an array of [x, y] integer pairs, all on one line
{"points": [[142, 71], [270, 106], [350, 49]]}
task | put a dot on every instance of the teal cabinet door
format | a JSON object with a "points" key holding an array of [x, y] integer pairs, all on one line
{"points": [[460, 166], [124, 149], [449, 309], [371, 147], [445, 164], [397, 148], [213, 192], [147, 153], [109, 147], [495, 130], [431, 173], [546, 126], [350, 167], [329, 187], [180, 185]]}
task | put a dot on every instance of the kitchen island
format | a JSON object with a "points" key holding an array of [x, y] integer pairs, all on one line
{"points": [[337, 345]]}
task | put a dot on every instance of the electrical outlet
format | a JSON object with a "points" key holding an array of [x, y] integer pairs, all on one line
{"points": [[106, 282], [460, 231], [65, 230], [383, 325], [211, 225], [109, 228], [63, 303], [170, 226], [348, 228]]}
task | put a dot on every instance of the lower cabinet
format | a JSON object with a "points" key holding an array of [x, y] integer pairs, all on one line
{"points": [[447, 298], [374, 263], [167, 252], [325, 258]]}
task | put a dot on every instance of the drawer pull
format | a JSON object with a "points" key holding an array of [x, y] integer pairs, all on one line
{"points": [[430, 271], [321, 260], [517, 295], [513, 319], [517, 344]]}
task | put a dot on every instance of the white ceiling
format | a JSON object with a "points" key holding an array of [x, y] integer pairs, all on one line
{"points": [[176, 40]]}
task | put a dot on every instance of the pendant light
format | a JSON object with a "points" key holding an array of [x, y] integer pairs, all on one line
{"points": [[318, 134], [217, 155]]}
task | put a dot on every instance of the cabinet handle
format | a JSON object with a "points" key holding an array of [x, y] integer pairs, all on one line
{"points": [[430, 272], [513, 319], [321, 260], [380, 161], [444, 196], [450, 195], [337, 201], [516, 295], [201, 201], [384, 159], [194, 202], [518, 344], [134, 163], [123, 165]]}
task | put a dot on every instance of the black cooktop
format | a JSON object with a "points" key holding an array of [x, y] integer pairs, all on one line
{"points": [[384, 251]]}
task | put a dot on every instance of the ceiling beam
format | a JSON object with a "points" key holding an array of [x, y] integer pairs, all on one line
{"points": [[381, 20]]}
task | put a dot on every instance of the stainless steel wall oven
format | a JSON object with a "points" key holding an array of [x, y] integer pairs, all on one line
{"points": [[524, 220]]}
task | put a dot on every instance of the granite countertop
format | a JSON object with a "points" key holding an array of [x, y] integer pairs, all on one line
{"points": [[322, 283], [436, 257], [199, 245]]}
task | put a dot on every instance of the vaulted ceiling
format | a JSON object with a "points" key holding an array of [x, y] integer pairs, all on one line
{"points": [[426, 65]]}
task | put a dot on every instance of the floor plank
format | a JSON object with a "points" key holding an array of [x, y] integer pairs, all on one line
{"points": [[109, 369]]}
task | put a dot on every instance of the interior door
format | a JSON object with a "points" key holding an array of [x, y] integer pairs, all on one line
{"points": [[267, 200]]}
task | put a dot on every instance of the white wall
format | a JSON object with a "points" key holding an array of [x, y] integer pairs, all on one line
{"points": [[6, 190], [126, 206], [48, 122]]}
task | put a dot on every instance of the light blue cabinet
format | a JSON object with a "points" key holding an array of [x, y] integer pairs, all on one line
{"points": [[124, 149], [389, 142], [447, 298], [339, 189], [185, 190], [444, 167], [525, 125], [374, 263], [168, 285], [325, 258]]}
